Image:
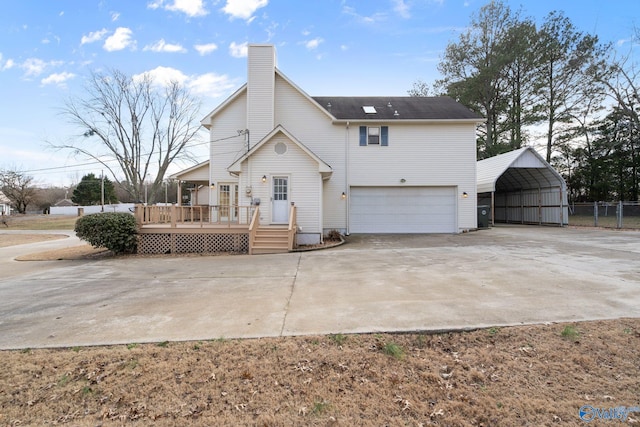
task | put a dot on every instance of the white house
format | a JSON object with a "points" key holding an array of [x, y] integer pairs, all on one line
{"points": [[353, 164], [5, 204]]}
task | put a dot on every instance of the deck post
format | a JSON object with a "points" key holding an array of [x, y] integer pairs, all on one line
{"points": [[138, 216], [173, 216]]}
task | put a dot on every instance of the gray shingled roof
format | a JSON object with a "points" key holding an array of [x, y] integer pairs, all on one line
{"points": [[407, 108]]}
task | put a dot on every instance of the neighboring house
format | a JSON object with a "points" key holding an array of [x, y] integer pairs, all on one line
{"points": [[5, 204], [64, 203], [353, 164]]}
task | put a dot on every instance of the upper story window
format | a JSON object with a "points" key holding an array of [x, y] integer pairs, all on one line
{"points": [[374, 135]]}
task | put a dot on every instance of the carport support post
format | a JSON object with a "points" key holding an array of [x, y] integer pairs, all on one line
{"points": [[493, 208], [619, 214]]}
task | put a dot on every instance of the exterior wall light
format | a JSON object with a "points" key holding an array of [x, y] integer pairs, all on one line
{"points": [[344, 195], [212, 185], [465, 195], [264, 178], [403, 180]]}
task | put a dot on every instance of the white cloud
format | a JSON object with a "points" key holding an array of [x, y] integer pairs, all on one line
{"points": [[121, 39], [94, 36], [204, 49], [401, 8], [313, 43], [243, 9], [163, 75], [162, 46], [621, 42], [238, 50], [191, 8], [115, 16], [9, 64], [373, 19], [57, 78], [34, 66], [344, 47], [209, 84]]}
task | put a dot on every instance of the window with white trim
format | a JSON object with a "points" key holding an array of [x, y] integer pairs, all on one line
{"points": [[374, 135]]}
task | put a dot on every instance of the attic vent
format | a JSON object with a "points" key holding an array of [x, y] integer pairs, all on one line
{"points": [[369, 109]]}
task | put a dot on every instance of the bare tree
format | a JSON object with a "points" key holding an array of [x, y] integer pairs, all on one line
{"points": [[133, 128], [18, 188]]}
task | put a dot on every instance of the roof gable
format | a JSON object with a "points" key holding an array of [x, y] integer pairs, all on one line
{"points": [[4, 199], [194, 172], [396, 108], [206, 121], [323, 167], [491, 169]]}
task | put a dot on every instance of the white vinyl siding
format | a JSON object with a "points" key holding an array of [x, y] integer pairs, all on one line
{"points": [[403, 210], [314, 129], [421, 155], [304, 181], [224, 151]]}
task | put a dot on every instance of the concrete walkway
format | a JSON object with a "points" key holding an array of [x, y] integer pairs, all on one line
{"points": [[507, 275]]}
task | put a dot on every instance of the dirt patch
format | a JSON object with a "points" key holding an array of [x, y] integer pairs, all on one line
{"points": [[528, 375], [72, 253], [7, 239]]}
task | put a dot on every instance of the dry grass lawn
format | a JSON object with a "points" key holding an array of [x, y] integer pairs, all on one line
{"points": [[516, 376], [537, 375]]}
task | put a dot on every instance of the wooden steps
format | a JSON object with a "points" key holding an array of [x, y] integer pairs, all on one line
{"points": [[271, 240]]}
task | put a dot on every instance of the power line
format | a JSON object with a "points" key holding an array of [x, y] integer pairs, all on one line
{"points": [[70, 168]]}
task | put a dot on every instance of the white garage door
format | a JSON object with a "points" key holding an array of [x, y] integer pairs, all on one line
{"points": [[402, 210]]}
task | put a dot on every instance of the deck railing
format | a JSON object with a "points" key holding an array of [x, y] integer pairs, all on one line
{"points": [[193, 215]]}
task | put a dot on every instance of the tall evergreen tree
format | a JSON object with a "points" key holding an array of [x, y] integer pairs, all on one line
{"points": [[89, 191], [564, 81]]}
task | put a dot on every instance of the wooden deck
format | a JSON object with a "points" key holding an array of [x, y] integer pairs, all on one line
{"points": [[210, 229]]}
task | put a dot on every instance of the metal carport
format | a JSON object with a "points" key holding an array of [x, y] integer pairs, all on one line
{"points": [[521, 187]]}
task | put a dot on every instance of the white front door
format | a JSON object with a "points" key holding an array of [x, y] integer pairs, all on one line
{"points": [[280, 200]]}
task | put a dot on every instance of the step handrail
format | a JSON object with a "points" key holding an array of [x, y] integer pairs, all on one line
{"points": [[253, 228]]}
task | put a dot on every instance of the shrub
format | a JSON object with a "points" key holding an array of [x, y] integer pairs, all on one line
{"points": [[112, 230], [333, 235]]}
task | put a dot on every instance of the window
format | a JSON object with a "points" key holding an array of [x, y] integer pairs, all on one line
{"points": [[374, 135]]}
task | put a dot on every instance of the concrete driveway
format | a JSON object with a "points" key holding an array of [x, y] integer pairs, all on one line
{"points": [[507, 275]]}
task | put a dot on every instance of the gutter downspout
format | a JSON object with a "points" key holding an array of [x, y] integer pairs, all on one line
{"points": [[346, 178]]}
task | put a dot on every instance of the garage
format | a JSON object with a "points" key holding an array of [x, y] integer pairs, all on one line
{"points": [[402, 210], [521, 187]]}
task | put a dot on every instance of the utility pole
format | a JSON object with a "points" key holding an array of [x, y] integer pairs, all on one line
{"points": [[102, 189]]}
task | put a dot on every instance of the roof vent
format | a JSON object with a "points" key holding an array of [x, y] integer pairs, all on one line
{"points": [[396, 114], [369, 109]]}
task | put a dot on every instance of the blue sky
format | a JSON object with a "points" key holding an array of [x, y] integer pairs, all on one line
{"points": [[327, 47]]}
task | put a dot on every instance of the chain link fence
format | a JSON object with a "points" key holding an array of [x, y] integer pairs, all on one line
{"points": [[605, 214]]}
